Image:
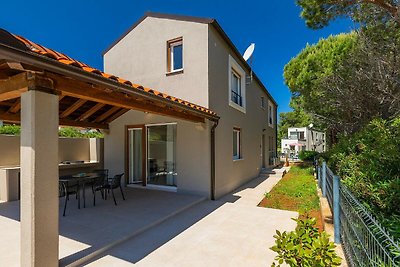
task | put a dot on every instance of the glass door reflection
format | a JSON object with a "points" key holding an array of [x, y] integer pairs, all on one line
{"points": [[161, 155]]}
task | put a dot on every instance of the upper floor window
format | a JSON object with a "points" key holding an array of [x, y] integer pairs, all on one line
{"points": [[237, 86], [270, 114], [263, 102], [236, 91], [175, 55]]}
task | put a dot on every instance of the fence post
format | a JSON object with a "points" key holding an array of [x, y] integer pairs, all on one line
{"points": [[336, 208], [319, 176], [323, 179]]}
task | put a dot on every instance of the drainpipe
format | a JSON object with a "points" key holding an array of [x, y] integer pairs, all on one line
{"points": [[276, 134], [215, 124]]}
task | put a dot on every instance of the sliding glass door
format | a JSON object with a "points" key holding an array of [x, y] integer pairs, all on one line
{"points": [[161, 155]]}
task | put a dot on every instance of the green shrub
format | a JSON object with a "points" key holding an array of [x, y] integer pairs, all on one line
{"points": [[76, 133], [63, 132], [368, 163], [10, 129], [305, 247], [307, 155]]}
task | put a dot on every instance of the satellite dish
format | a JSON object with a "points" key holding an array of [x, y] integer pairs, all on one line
{"points": [[311, 125], [249, 51]]}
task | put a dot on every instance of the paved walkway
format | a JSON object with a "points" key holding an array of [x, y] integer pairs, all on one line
{"points": [[230, 232]]}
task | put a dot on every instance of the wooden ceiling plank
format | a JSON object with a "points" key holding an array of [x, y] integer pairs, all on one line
{"points": [[91, 111], [73, 107], [106, 114]]}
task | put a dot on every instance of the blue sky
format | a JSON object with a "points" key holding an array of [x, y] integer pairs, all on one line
{"points": [[84, 28]]}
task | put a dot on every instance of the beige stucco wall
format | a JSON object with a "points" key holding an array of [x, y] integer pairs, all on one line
{"points": [[192, 150], [229, 173], [69, 149], [141, 56]]}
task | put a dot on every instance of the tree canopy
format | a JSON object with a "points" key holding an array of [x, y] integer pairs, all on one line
{"points": [[318, 13], [347, 80], [306, 72]]}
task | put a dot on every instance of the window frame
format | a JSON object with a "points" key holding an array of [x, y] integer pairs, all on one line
{"points": [[237, 155], [263, 102], [170, 55], [235, 68]]}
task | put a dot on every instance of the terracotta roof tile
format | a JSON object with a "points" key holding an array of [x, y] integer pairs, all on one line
{"points": [[64, 59]]}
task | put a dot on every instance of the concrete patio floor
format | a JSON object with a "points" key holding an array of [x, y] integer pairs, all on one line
{"points": [[92, 229], [155, 228]]}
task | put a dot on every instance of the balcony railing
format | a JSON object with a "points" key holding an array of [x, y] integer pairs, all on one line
{"points": [[236, 98]]}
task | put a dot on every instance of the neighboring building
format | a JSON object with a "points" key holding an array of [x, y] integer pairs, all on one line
{"points": [[194, 59], [301, 139]]}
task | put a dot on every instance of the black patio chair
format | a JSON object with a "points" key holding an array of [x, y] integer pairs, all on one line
{"points": [[65, 189], [114, 183], [99, 184]]}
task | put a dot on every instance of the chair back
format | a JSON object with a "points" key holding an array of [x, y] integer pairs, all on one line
{"points": [[116, 181], [62, 189], [102, 172]]}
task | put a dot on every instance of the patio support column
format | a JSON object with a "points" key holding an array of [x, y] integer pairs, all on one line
{"points": [[39, 178]]}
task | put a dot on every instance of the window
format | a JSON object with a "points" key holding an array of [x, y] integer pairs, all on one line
{"points": [[270, 114], [236, 94], [237, 86], [175, 55], [236, 143], [262, 102], [301, 135]]}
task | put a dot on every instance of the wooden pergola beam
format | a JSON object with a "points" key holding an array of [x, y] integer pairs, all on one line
{"points": [[117, 115], [13, 86], [91, 111], [72, 108], [106, 114], [15, 107], [85, 91], [16, 118]]}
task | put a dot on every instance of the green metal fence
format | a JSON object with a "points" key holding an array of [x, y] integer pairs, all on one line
{"points": [[364, 240]]}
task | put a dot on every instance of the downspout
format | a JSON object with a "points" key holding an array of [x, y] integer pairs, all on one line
{"points": [[215, 124], [276, 133]]}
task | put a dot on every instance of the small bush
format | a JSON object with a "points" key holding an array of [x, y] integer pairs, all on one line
{"points": [[307, 155], [10, 129], [305, 247]]}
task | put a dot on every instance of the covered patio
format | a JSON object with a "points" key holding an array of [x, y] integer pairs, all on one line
{"points": [[42, 89]]}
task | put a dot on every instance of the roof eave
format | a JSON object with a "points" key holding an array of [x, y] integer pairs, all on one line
{"points": [[42, 62]]}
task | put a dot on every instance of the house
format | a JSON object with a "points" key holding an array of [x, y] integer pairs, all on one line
{"points": [[301, 139], [191, 58], [158, 138]]}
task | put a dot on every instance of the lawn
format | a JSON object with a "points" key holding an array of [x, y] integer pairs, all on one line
{"points": [[296, 191]]}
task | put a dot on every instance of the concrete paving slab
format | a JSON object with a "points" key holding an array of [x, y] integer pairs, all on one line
{"points": [[211, 233]]}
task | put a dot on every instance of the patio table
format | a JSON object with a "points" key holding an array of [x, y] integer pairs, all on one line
{"points": [[81, 179]]}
